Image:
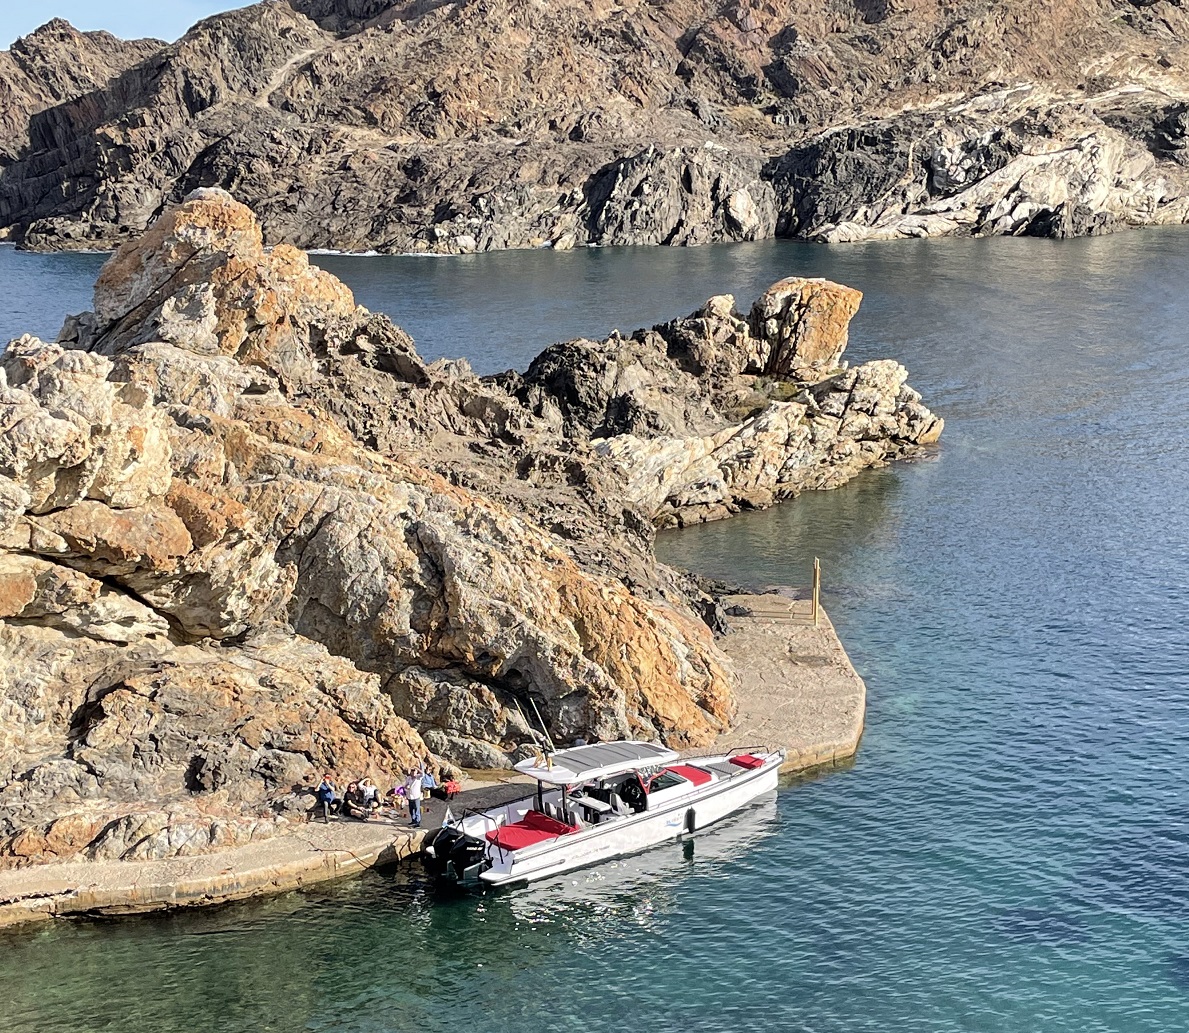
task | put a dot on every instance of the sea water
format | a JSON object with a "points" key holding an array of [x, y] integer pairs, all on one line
{"points": [[1009, 850]]}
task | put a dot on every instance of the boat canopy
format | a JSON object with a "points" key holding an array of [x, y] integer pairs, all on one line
{"points": [[580, 763]]}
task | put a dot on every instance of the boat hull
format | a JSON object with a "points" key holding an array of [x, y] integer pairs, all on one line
{"points": [[672, 820], [727, 840]]}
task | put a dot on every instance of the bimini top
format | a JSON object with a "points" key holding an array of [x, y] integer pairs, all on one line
{"points": [[580, 763]]}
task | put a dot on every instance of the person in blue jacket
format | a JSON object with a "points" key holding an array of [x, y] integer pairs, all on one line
{"points": [[327, 797]]}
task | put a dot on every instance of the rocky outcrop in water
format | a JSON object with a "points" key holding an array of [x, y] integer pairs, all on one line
{"points": [[463, 127], [718, 412], [247, 535]]}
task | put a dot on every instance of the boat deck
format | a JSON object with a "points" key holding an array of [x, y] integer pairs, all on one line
{"points": [[724, 770]]}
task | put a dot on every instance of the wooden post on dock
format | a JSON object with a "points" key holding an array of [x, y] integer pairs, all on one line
{"points": [[817, 587]]}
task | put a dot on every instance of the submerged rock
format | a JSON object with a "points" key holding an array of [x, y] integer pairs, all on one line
{"points": [[247, 535]]}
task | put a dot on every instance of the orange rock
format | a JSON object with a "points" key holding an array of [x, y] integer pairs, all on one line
{"points": [[206, 516], [17, 590], [803, 326], [150, 537]]}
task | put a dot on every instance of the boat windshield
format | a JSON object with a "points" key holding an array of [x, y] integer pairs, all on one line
{"points": [[665, 780]]}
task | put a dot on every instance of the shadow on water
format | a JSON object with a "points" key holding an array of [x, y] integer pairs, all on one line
{"points": [[1141, 870], [1178, 970], [819, 772], [776, 547], [1044, 926]]}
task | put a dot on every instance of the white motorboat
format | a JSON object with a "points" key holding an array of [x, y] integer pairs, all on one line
{"points": [[652, 874], [593, 803]]}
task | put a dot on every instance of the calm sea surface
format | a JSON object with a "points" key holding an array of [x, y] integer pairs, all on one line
{"points": [[1009, 851]]}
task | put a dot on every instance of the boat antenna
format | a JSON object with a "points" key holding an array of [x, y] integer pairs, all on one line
{"points": [[548, 739], [528, 724]]}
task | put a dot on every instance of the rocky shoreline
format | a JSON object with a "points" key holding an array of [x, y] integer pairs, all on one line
{"points": [[247, 536], [799, 691], [361, 125]]}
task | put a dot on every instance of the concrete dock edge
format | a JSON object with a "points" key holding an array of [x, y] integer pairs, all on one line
{"points": [[798, 688]]}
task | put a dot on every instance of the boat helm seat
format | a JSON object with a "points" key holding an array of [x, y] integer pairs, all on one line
{"points": [[618, 806]]}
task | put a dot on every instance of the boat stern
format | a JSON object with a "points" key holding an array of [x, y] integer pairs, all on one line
{"points": [[454, 858]]}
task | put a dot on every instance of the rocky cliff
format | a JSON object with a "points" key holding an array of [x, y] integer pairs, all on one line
{"points": [[52, 66], [448, 127], [247, 535]]}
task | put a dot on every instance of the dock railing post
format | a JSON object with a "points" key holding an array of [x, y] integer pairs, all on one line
{"points": [[817, 587]]}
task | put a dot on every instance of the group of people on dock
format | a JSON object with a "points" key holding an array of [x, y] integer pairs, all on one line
{"points": [[362, 800]]}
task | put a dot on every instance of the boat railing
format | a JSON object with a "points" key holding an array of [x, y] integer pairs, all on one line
{"points": [[755, 748], [476, 812], [748, 749]]}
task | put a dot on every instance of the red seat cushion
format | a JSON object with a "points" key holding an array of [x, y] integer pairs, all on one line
{"points": [[746, 760], [690, 773], [534, 827], [544, 823]]}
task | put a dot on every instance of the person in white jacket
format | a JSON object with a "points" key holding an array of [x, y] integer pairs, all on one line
{"points": [[413, 793]]}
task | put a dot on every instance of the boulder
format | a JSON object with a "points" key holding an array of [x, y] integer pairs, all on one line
{"points": [[801, 326]]}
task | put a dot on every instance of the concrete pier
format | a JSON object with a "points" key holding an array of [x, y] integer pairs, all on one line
{"points": [[798, 688], [312, 853]]}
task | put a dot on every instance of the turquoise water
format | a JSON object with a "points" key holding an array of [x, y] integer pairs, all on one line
{"points": [[1009, 851]]}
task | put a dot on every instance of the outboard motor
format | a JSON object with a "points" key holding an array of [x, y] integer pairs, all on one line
{"points": [[453, 857]]}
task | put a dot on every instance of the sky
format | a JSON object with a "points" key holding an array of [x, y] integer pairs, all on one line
{"points": [[131, 19]]}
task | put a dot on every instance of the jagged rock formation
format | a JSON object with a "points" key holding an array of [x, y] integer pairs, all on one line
{"points": [[411, 126], [52, 66], [247, 534], [714, 413]]}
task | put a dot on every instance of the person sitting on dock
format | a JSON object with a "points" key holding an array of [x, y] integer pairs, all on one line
{"points": [[397, 805], [354, 804], [428, 782], [326, 798], [370, 793]]}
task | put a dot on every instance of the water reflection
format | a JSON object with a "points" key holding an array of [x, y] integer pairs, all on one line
{"points": [[777, 547], [648, 883]]}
